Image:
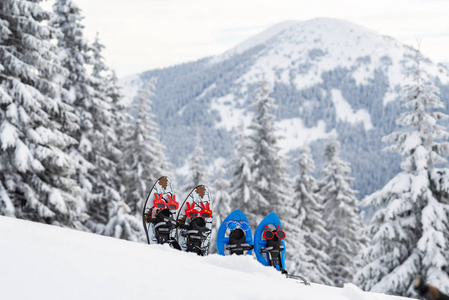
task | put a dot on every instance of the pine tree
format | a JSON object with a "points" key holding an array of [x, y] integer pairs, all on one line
{"points": [[122, 126], [113, 119], [97, 114], [198, 173], [96, 59], [343, 223], [271, 190], [113, 91], [35, 181], [144, 156], [123, 224], [221, 205], [242, 179], [307, 254], [410, 229]]}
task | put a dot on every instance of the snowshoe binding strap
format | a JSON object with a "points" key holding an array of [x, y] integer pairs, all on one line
{"points": [[237, 244], [274, 250], [199, 224], [163, 226], [196, 234]]}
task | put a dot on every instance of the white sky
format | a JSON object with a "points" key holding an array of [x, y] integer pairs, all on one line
{"points": [[144, 34]]}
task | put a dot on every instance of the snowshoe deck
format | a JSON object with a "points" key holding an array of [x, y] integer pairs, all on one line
{"points": [[270, 252], [157, 213]]}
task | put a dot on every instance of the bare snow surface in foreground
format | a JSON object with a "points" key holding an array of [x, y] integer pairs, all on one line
{"points": [[40, 261]]}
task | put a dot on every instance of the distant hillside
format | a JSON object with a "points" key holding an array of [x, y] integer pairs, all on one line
{"points": [[327, 74]]}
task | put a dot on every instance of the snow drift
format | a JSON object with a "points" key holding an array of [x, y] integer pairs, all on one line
{"points": [[47, 262]]}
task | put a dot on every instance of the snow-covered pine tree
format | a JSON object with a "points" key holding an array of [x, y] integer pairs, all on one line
{"points": [[124, 221], [123, 224], [340, 213], [113, 91], [122, 120], [144, 157], [410, 229], [96, 59], [307, 253], [105, 89], [6, 201], [221, 205], [242, 179], [197, 169], [96, 113], [35, 181], [271, 191]]}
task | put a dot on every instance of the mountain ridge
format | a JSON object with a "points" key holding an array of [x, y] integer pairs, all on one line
{"points": [[326, 75]]}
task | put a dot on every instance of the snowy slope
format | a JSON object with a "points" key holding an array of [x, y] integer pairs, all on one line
{"points": [[321, 45], [254, 41], [40, 261]]}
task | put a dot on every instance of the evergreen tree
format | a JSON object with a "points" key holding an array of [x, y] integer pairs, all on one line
{"points": [[343, 223], [106, 90], [307, 254], [123, 221], [123, 224], [221, 204], [144, 156], [122, 128], [271, 190], [96, 59], [35, 181], [113, 91], [198, 173], [242, 179], [410, 229], [96, 136]]}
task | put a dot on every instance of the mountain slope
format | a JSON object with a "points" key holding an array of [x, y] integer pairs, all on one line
{"points": [[46, 262], [327, 74]]}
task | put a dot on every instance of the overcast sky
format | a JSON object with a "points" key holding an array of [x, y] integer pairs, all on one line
{"points": [[144, 34]]}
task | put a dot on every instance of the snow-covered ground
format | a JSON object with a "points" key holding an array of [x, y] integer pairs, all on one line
{"points": [[40, 261]]}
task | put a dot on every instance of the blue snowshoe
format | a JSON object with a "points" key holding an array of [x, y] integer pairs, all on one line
{"points": [[269, 242], [269, 245], [234, 235]]}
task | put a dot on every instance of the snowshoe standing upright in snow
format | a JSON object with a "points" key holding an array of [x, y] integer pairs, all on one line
{"points": [[269, 245], [195, 221], [158, 211], [269, 242], [234, 235]]}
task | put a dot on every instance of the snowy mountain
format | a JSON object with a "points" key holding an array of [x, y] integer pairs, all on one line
{"points": [[326, 74], [47, 262]]}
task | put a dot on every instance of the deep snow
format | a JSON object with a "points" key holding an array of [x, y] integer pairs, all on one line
{"points": [[40, 261]]}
